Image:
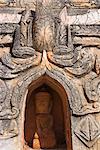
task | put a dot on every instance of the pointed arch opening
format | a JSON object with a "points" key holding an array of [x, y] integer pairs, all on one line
{"points": [[47, 122]]}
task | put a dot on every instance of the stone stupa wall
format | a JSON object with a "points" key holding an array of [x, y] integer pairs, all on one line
{"points": [[59, 39]]}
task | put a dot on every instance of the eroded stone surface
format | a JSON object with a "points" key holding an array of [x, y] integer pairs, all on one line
{"points": [[60, 40]]}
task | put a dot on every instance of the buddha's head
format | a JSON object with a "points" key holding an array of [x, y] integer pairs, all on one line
{"points": [[43, 102]]}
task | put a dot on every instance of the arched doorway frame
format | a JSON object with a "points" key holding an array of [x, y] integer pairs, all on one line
{"points": [[64, 99], [30, 77]]}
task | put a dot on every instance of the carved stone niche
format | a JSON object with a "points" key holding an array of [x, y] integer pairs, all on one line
{"points": [[47, 122]]}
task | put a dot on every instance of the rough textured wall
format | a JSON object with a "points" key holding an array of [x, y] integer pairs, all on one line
{"points": [[62, 40]]}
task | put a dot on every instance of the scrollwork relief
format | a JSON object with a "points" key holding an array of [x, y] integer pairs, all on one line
{"points": [[78, 102], [78, 61]]}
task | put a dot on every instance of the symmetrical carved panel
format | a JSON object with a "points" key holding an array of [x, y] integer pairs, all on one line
{"points": [[42, 43]]}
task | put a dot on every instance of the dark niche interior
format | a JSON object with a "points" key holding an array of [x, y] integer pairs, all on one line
{"points": [[44, 119]]}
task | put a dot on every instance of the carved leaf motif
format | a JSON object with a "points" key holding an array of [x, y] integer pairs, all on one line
{"points": [[88, 130]]}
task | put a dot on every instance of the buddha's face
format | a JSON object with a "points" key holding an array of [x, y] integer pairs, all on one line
{"points": [[43, 103]]}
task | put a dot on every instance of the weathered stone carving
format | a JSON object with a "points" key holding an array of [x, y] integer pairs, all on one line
{"points": [[97, 65], [8, 113], [92, 87], [9, 69], [5, 72], [26, 29], [77, 61], [7, 28], [22, 48], [23, 36], [17, 64], [88, 130], [62, 54], [46, 24], [5, 2], [87, 30], [84, 64], [77, 100], [24, 3], [45, 45], [83, 3]]}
